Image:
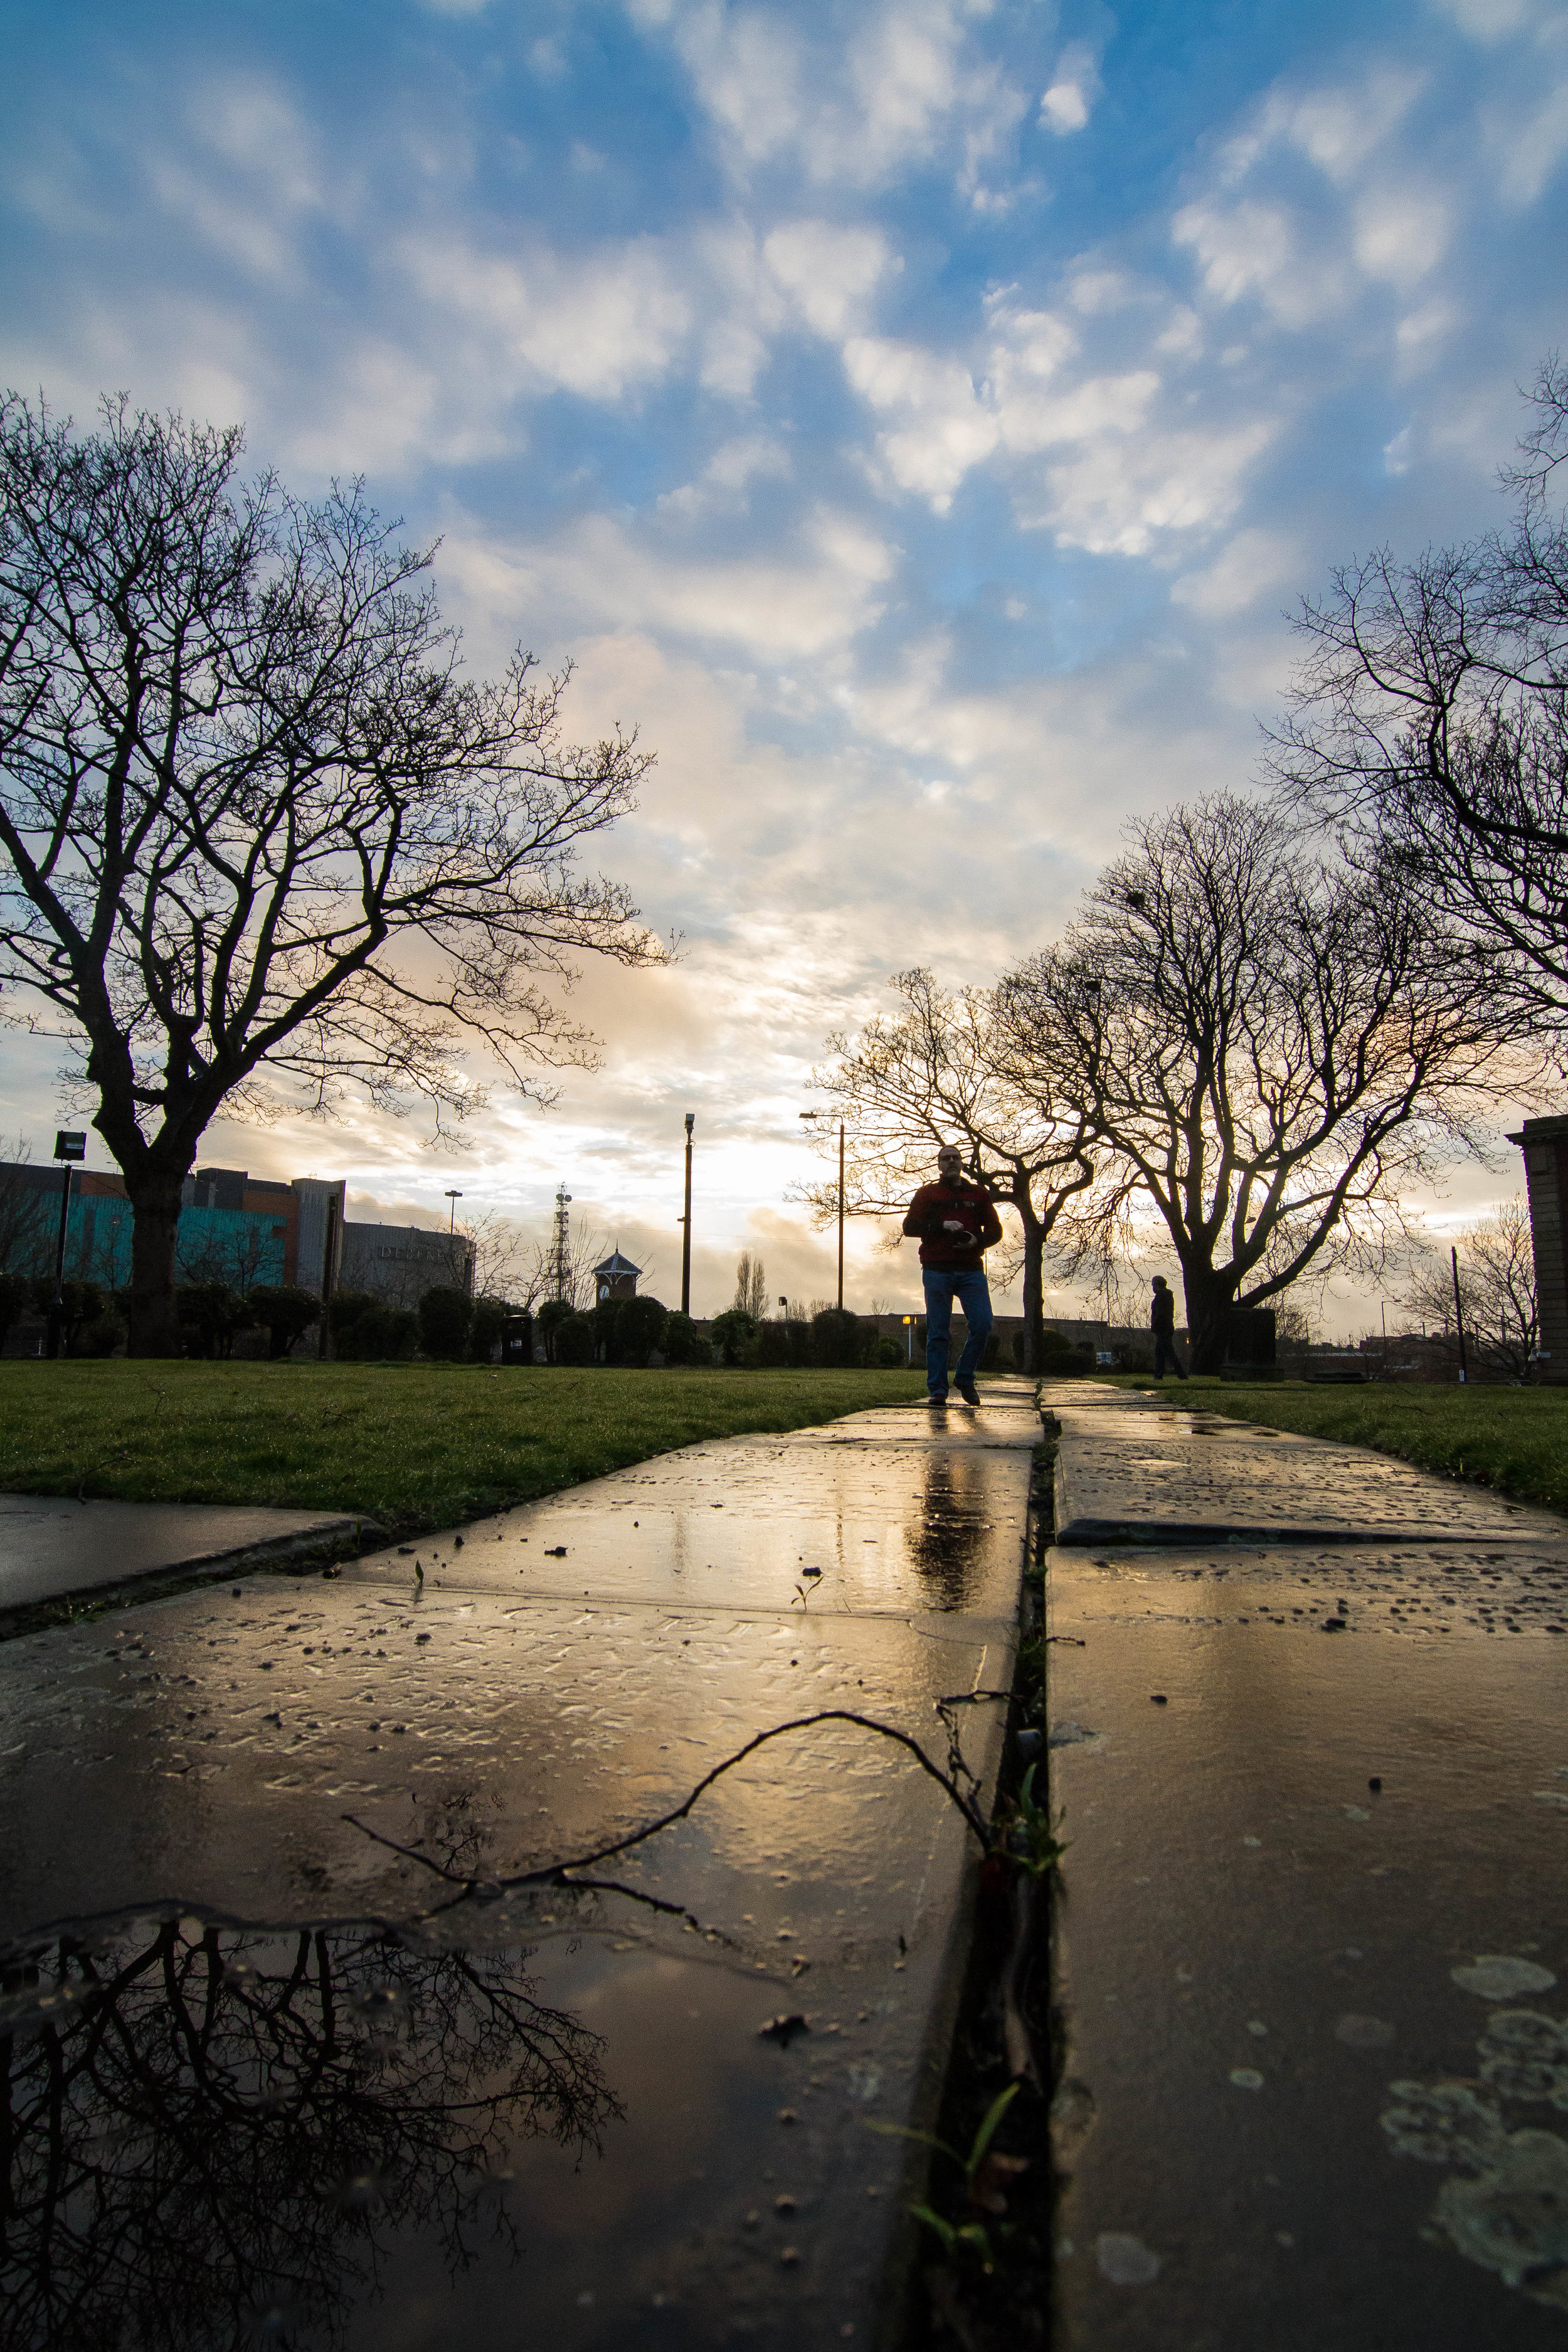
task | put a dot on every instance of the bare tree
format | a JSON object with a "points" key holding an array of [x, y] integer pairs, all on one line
{"points": [[1265, 1046], [937, 1072], [750, 1286], [1429, 720], [1497, 1294], [262, 839]]}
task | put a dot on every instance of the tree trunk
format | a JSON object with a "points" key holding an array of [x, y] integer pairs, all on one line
{"points": [[1210, 1298], [1034, 1290], [154, 1317]]}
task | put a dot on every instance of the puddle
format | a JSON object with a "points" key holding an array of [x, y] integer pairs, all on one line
{"points": [[342, 2137]]}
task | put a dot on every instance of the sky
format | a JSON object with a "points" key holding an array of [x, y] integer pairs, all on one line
{"points": [[919, 419]]}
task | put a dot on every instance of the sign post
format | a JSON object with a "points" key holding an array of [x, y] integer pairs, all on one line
{"points": [[70, 1146]]}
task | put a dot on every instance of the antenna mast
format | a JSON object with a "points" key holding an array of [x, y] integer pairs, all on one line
{"points": [[561, 1249]]}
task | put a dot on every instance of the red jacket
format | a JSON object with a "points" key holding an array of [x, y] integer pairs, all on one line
{"points": [[935, 1204]]}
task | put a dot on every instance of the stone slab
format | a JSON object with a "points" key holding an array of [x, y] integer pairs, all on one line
{"points": [[1153, 1473], [830, 1529], [1285, 1992], [556, 2101], [51, 1546]]}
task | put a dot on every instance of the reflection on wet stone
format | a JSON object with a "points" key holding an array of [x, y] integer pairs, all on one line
{"points": [[217, 2140], [945, 1542]]}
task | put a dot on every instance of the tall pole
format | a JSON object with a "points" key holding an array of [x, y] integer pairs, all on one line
{"points": [[841, 1216], [70, 1145], [686, 1224], [1459, 1313], [58, 1311], [454, 1198]]}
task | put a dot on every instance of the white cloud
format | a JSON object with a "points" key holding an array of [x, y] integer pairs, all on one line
{"points": [[1253, 565], [1074, 88], [828, 272], [596, 323], [806, 604]]}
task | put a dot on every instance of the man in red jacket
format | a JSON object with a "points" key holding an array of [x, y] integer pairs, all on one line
{"points": [[957, 1223]]}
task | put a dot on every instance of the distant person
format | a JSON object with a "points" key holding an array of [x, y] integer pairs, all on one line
{"points": [[1163, 1323], [956, 1223]]}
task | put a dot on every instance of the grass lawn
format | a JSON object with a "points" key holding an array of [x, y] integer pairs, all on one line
{"points": [[1513, 1440], [411, 1445]]}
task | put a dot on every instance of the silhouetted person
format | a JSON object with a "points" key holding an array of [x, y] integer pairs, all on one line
{"points": [[1163, 1323], [957, 1223]]}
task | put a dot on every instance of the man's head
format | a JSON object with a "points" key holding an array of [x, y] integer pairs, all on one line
{"points": [[949, 1163], [1159, 1282]]}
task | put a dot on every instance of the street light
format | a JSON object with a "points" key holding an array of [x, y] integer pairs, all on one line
{"points": [[686, 1224], [815, 1113], [454, 1198]]}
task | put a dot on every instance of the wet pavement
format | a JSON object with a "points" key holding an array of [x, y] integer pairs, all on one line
{"points": [[51, 1546], [315, 2047], [1313, 1930]]}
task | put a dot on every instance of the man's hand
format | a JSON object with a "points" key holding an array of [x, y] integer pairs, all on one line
{"points": [[951, 1225]]}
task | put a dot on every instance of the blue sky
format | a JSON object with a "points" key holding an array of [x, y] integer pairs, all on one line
{"points": [[917, 417]]}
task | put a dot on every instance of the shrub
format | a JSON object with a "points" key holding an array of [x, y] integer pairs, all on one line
{"points": [[734, 1334], [551, 1317], [15, 1296], [485, 1330], [445, 1316], [889, 1355], [80, 1303], [286, 1313], [772, 1345], [364, 1331], [836, 1337], [606, 1319], [575, 1341], [640, 1328], [683, 1343]]}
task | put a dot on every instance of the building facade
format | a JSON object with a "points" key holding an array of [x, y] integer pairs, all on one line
{"points": [[248, 1230]]}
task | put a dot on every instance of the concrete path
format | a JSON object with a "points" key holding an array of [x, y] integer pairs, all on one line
{"points": [[51, 1546], [1312, 1954], [629, 2107]]}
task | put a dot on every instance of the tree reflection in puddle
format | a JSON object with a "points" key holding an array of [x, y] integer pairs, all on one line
{"points": [[215, 2136], [944, 1542]]}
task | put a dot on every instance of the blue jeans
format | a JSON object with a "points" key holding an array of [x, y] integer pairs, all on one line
{"points": [[944, 1284]]}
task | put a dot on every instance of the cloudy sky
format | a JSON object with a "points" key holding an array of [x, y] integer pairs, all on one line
{"points": [[916, 417]]}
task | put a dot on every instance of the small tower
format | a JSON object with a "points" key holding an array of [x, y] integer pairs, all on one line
{"points": [[560, 1250], [617, 1278]]}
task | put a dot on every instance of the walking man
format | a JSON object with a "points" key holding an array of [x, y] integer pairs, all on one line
{"points": [[1163, 1323], [956, 1223]]}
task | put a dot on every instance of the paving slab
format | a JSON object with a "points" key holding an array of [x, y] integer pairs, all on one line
{"points": [[1149, 1472], [1313, 1941], [629, 2107], [51, 1546]]}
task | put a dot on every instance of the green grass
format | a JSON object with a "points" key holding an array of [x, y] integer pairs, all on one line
{"points": [[411, 1445], [1513, 1440]]}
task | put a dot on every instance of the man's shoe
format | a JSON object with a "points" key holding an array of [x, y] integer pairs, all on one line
{"points": [[936, 1396], [969, 1393]]}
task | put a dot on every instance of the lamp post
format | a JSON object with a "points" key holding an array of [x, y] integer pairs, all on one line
{"points": [[454, 1198], [686, 1224], [70, 1146], [811, 1114], [1458, 1315]]}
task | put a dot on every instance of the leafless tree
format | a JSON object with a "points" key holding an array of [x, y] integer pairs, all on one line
{"points": [[1264, 1047], [938, 1071], [1429, 720], [1496, 1295], [750, 1286], [261, 840], [217, 2143]]}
